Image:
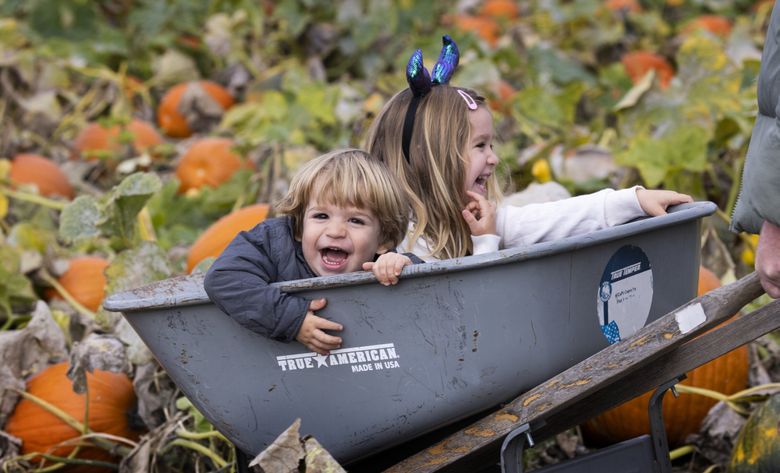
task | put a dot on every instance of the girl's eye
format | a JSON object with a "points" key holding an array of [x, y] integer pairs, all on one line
{"points": [[480, 145]]}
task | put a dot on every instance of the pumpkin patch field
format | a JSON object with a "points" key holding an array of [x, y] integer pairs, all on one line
{"points": [[138, 138]]}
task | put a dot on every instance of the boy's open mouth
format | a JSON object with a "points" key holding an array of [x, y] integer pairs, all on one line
{"points": [[333, 258]]}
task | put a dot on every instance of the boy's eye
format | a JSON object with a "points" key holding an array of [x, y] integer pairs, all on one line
{"points": [[320, 215], [357, 221]]}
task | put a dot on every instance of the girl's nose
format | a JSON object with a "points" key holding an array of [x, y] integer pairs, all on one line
{"points": [[492, 158]]}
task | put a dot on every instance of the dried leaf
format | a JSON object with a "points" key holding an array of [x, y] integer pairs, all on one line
{"points": [[155, 394], [141, 458], [636, 92], [319, 460], [718, 432], [96, 352], [283, 455], [27, 351]]}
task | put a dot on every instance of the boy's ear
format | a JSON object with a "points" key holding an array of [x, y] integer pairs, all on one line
{"points": [[384, 248]]}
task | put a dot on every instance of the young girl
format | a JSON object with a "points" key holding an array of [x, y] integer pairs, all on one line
{"points": [[342, 209], [438, 139]]}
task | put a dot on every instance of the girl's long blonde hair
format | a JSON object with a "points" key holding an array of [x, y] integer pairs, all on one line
{"points": [[435, 174]]}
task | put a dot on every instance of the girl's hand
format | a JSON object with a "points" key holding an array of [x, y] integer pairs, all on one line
{"points": [[312, 334], [480, 215], [388, 267], [655, 202]]}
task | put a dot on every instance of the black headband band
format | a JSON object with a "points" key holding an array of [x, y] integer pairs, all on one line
{"points": [[411, 112], [420, 83]]}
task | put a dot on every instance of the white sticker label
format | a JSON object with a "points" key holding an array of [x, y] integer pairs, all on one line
{"points": [[690, 317], [358, 359], [625, 293]]}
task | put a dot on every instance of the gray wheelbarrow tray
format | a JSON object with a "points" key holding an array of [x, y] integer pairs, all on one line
{"points": [[451, 339]]}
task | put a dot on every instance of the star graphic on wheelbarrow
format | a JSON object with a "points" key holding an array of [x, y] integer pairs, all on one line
{"points": [[321, 360]]}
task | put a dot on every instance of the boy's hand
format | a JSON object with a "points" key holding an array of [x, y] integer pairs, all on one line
{"points": [[311, 333], [655, 202], [388, 267], [480, 215]]}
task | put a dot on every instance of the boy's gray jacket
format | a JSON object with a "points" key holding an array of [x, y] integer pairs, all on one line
{"points": [[239, 280], [759, 198]]}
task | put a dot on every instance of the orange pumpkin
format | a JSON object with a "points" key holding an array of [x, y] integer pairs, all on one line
{"points": [[638, 63], [96, 140], [41, 171], [85, 281], [624, 5], [110, 397], [715, 24], [208, 162], [507, 9], [502, 96], [485, 27], [683, 415], [169, 114], [217, 237]]}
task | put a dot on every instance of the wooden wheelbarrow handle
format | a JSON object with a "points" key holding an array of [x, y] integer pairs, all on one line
{"points": [[663, 349]]}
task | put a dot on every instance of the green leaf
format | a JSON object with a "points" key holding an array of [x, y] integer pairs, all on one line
{"points": [[547, 62], [137, 267], [684, 148], [124, 202], [545, 107], [80, 219], [15, 288]]}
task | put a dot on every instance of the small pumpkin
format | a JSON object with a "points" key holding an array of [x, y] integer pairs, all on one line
{"points": [[85, 281], [110, 396], [189, 100], [715, 24], [757, 448], [41, 171], [96, 140], [485, 27], [506, 9], [638, 63], [683, 415], [208, 162], [217, 237], [632, 6], [501, 96]]}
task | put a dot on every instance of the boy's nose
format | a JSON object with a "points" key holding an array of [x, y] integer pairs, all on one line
{"points": [[336, 229]]}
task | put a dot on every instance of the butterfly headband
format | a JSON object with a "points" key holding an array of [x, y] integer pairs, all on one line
{"points": [[420, 82]]}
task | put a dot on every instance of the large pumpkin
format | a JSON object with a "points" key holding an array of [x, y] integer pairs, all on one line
{"points": [[170, 116], [757, 449], [96, 141], [208, 162], [85, 281], [111, 397], [214, 240], [683, 415], [41, 171]]}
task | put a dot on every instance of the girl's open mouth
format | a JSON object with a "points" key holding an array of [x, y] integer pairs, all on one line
{"points": [[481, 183]]}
